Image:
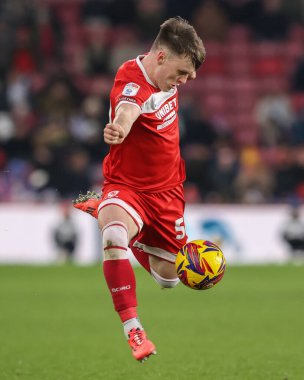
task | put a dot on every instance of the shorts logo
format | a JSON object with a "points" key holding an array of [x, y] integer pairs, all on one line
{"points": [[131, 89], [125, 287], [112, 194]]}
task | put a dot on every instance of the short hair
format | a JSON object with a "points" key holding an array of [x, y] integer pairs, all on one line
{"points": [[181, 38]]}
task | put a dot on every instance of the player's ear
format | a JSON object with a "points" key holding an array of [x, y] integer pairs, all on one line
{"points": [[161, 57]]}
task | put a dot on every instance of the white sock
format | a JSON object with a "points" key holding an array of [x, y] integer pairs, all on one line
{"points": [[132, 323]]}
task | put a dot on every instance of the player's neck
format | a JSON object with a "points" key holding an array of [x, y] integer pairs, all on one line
{"points": [[148, 65]]}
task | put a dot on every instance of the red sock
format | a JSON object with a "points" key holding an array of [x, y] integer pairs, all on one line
{"points": [[121, 282], [142, 257]]}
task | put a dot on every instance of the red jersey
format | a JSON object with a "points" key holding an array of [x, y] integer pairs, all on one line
{"points": [[149, 158]]}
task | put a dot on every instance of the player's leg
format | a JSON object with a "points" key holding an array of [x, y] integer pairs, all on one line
{"points": [[118, 228], [89, 203], [163, 236], [163, 272], [142, 257]]}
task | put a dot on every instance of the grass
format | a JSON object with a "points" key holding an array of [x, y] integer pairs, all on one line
{"points": [[57, 323]]}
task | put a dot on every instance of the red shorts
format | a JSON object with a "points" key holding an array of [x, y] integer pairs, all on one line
{"points": [[159, 217]]}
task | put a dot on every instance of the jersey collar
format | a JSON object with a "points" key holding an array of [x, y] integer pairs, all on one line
{"points": [[141, 66]]}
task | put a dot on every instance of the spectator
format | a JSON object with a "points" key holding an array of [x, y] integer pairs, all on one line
{"points": [[284, 174], [297, 80], [73, 173], [59, 98], [149, 15], [25, 55], [270, 22], [223, 173], [47, 33], [127, 45], [293, 234], [45, 111], [97, 51], [65, 236], [117, 12], [197, 141], [87, 125], [7, 42], [241, 11], [274, 116], [254, 182], [211, 21], [297, 128]]}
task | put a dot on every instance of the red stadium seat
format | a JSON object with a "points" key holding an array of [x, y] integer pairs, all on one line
{"points": [[245, 130], [243, 102], [215, 103], [243, 85], [268, 49], [214, 65], [271, 84], [239, 66], [238, 50], [73, 54], [297, 100], [294, 50], [273, 66], [69, 13], [296, 33], [239, 33], [245, 137], [215, 49], [74, 34]]}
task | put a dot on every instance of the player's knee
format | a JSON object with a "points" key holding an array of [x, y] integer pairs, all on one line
{"points": [[115, 240], [164, 282]]}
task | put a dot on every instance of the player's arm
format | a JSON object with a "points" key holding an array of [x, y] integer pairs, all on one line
{"points": [[115, 132]]}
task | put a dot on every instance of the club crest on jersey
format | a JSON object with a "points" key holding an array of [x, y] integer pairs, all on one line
{"points": [[131, 89], [112, 194]]}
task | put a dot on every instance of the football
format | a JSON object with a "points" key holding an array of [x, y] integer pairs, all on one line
{"points": [[200, 264]]}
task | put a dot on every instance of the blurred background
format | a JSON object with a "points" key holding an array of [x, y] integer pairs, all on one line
{"points": [[241, 121]]}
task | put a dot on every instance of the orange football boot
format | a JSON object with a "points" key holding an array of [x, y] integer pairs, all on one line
{"points": [[140, 345], [88, 203]]}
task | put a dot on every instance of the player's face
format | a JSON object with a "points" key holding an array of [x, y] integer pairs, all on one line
{"points": [[173, 70]]}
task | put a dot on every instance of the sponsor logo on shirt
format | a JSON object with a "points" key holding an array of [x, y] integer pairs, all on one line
{"points": [[166, 109], [167, 122], [167, 114], [126, 99], [112, 194], [131, 89]]}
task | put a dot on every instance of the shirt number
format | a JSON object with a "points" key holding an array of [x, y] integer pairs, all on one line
{"points": [[180, 228]]}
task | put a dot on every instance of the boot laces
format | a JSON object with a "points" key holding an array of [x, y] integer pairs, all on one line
{"points": [[136, 336]]}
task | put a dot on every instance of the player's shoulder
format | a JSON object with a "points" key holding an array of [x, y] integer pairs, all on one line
{"points": [[133, 72], [132, 82], [129, 70]]}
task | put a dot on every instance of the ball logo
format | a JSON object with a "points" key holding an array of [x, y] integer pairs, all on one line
{"points": [[112, 194], [125, 287]]}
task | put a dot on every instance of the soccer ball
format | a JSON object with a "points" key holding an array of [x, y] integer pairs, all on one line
{"points": [[200, 264]]}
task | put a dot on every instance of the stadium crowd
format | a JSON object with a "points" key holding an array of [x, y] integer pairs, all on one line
{"points": [[241, 120]]}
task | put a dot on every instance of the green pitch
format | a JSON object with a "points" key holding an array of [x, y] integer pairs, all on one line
{"points": [[57, 323]]}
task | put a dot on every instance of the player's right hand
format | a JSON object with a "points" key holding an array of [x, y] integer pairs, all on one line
{"points": [[113, 134]]}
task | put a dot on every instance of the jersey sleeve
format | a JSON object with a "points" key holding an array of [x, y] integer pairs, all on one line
{"points": [[133, 91]]}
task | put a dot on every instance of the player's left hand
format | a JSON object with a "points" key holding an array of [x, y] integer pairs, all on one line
{"points": [[113, 134]]}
